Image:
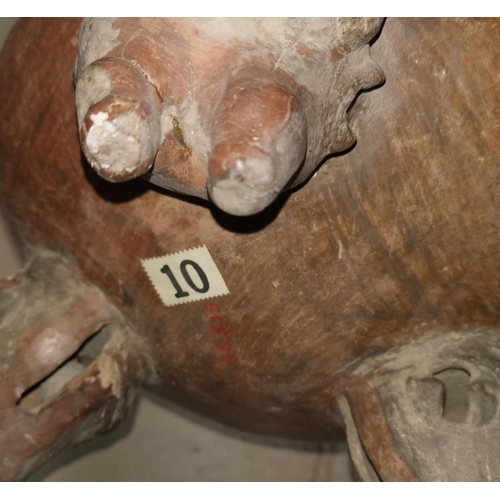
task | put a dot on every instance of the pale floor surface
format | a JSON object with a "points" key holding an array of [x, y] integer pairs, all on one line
{"points": [[162, 443], [165, 446]]}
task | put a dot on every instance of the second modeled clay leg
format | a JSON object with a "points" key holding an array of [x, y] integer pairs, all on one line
{"points": [[69, 364]]}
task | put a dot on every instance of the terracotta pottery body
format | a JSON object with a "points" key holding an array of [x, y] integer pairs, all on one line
{"points": [[365, 302]]}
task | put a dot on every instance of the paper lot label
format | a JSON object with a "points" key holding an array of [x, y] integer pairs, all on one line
{"points": [[185, 276]]}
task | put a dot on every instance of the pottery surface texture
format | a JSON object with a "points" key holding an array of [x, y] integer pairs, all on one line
{"points": [[212, 208]]}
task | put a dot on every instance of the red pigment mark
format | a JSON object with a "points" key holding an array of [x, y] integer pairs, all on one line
{"points": [[217, 327]]}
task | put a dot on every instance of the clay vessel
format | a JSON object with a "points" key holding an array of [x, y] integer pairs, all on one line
{"points": [[365, 301]]}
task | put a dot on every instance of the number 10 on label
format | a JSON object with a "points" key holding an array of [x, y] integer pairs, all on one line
{"points": [[185, 276]]}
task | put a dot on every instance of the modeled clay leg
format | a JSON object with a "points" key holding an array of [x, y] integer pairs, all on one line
{"points": [[68, 364], [119, 119], [428, 412], [260, 139]]}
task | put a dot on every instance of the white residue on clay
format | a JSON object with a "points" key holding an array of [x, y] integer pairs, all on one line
{"points": [[97, 38]]}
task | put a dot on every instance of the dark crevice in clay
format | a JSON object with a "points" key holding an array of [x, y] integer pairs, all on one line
{"points": [[44, 390]]}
